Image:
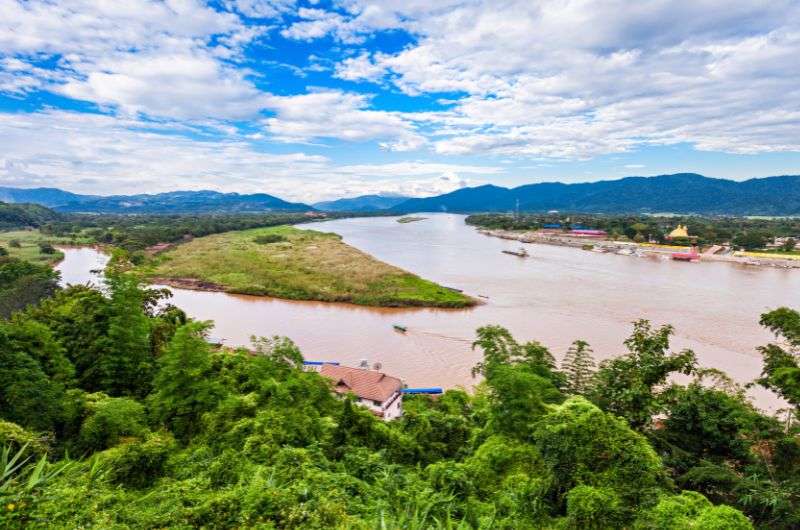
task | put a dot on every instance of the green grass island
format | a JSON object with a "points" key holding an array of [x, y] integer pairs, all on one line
{"points": [[287, 262]]}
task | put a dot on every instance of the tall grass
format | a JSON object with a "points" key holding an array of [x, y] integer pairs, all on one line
{"points": [[301, 265]]}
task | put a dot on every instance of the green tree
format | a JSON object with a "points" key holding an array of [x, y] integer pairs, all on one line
{"points": [[582, 445], [125, 366], [578, 367], [629, 385], [23, 284], [690, 510], [27, 395], [184, 386], [110, 420], [781, 369], [750, 240], [501, 349]]}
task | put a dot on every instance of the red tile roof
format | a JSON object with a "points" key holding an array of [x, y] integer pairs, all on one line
{"points": [[367, 384]]}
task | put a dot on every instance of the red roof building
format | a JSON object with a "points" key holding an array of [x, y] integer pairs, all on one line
{"points": [[380, 393]]}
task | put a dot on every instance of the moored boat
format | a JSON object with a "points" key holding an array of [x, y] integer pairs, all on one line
{"points": [[400, 328], [686, 256], [521, 253]]}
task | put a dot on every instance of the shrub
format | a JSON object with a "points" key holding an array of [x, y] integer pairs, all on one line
{"points": [[269, 238], [15, 436], [111, 420], [691, 510], [138, 464], [593, 508], [47, 248], [14, 243]]}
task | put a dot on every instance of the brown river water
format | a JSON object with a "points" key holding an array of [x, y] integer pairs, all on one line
{"points": [[555, 296]]}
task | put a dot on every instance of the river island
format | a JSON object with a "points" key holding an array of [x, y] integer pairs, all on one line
{"points": [[287, 262]]}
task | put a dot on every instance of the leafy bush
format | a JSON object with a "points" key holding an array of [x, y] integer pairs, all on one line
{"points": [[137, 464], [47, 248], [269, 238], [109, 421]]}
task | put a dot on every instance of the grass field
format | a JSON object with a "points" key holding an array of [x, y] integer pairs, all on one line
{"points": [[29, 245], [302, 265]]}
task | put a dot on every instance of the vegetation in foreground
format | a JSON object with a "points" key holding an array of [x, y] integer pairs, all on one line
{"points": [[116, 413], [287, 262]]}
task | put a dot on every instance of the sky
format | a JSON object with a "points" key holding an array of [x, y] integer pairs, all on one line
{"points": [[312, 100]]}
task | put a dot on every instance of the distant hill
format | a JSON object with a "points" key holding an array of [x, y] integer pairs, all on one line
{"points": [[363, 203], [14, 216], [171, 202], [49, 197], [679, 193]]}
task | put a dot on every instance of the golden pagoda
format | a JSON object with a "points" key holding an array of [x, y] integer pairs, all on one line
{"points": [[680, 231]]}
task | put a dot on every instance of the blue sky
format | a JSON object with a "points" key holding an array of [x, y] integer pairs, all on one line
{"points": [[316, 100]]}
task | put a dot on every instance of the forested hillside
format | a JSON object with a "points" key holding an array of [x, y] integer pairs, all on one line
{"points": [[116, 413], [363, 203], [686, 193], [13, 216], [192, 202]]}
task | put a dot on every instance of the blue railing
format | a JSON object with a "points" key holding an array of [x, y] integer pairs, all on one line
{"points": [[320, 363], [430, 390]]}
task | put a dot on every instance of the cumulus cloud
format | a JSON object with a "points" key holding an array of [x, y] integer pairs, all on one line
{"points": [[261, 8], [341, 115], [166, 59], [93, 153], [542, 79], [578, 79], [359, 68]]}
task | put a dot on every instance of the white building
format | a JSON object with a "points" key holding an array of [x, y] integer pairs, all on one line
{"points": [[380, 393]]}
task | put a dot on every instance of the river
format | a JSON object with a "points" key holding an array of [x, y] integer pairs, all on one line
{"points": [[555, 296]]}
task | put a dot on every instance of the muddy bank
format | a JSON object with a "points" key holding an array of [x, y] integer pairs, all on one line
{"points": [[192, 284]]}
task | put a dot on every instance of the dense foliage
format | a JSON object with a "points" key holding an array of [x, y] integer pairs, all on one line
{"points": [[14, 216], [115, 412], [743, 232], [137, 232], [23, 283]]}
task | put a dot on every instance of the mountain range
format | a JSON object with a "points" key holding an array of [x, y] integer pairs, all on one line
{"points": [[678, 193], [170, 202], [684, 193], [362, 203]]}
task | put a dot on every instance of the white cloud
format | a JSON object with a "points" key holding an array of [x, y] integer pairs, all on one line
{"points": [[317, 23], [154, 58], [91, 153], [359, 68], [180, 85], [582, 78], [261, 8], [341, 115]]}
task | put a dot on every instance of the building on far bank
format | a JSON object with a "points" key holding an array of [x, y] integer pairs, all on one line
{"points": [[380, 393], [679, 232]]}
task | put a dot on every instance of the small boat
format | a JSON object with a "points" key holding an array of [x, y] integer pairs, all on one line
{"points": [[686, 256], [398, 327], [521, 253], [483, 296], [453, 289]]}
